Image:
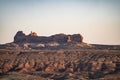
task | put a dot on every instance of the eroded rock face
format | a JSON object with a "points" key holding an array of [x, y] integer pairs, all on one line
{"points": [[20, 37]]}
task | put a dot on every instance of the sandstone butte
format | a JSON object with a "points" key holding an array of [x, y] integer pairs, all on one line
{"points": [[20, 37]]}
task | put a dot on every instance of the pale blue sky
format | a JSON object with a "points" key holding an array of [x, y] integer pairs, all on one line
{"points": [[97, 20]]}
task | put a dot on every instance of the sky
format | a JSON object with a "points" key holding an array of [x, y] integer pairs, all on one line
{"points": [[97, 20]]}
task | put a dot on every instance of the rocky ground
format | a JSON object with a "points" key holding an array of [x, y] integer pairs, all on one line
{"points": [[79, 64]]}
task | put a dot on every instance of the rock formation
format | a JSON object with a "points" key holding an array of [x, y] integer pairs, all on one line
{"points": [[20, 37], [69, 39], [33, 34]]}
